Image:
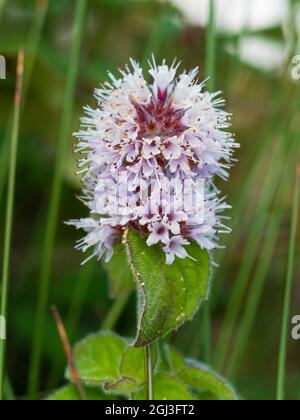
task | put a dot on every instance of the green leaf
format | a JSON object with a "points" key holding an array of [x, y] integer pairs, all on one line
{"points": [[69, 393], [168, 295], [98, 358], [175, 360], [121, 280], [166, 387], [201, 381], [107, 362], [133, 365], [204, 381], [132, 372]]}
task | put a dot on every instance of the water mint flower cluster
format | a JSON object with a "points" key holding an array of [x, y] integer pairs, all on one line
{"points": [[142, 143]]}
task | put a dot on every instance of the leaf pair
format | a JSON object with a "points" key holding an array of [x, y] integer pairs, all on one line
{"points": [[108, 365]]}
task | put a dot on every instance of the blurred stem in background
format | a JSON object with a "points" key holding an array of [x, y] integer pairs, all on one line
{"points": [[250, 172], [10, 209], [288, 290], [31, 48], [115, 312], [33, 41], [267, 194], [158, 35], [2, 4], [292, 32], [8, 391], [211, 47], [78, 298], [266, 253], [74, 313], [210, 72], [53, 210]]}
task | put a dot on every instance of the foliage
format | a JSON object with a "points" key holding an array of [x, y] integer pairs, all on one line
{"points": [[108, 363]]}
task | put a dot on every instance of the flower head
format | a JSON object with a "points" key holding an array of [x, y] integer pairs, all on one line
{"points": [[142, 145]]}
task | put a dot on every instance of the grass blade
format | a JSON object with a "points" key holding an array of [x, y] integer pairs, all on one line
{"points": [[115, 312], [2, 4], [210, 72], [51, 223], [32, 42], [31, 48], [8, 390], [10, 208], [211, 46], [158, 36], [288, 291]]}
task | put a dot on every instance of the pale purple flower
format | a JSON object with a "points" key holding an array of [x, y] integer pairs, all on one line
{"points": [[143, 141], [151, 147], [159, 233], [175, 248], [171, 148]]}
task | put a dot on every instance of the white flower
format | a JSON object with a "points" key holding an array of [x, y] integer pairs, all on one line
{"points": [[139, 146]]}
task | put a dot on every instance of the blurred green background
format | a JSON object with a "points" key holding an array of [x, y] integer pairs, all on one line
{"points": [[252, 68]]}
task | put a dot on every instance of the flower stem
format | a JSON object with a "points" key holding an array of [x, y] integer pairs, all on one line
{"points": [[149, 372], [288, 291]]}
